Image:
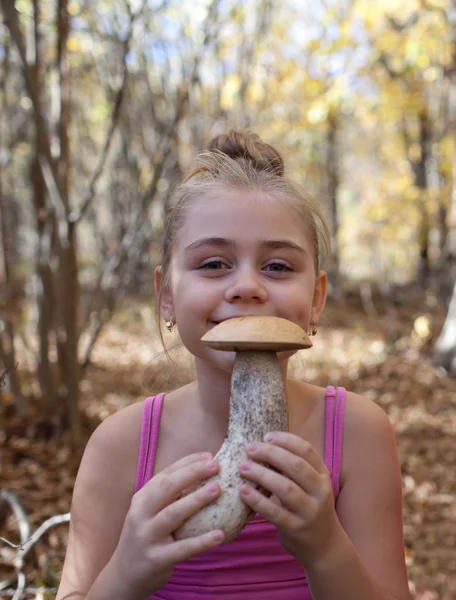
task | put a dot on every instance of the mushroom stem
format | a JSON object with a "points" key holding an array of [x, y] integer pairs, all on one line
{"points": [[258, 405]]}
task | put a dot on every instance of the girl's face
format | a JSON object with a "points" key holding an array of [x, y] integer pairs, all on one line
{"points": [[238, 254]]}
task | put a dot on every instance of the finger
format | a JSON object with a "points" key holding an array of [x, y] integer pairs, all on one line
{"points": [[290, 495], [174, 515], [269, 510], [289, 464], [188, 460], [177, 552], [165, 487], [298, 446]]}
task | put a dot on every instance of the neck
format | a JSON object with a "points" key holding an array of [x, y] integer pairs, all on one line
{"points": [[213, 390]]}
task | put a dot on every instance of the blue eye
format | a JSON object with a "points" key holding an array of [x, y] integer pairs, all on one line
{"points": [[278, 267], [213, 265]]}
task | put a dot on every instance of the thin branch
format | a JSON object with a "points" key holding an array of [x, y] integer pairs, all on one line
{"points": [[21, 518], [412, 20], [393, 73], [31, 83], [36, 592], [4, 374], [164, 151], [27, 541], [57, 201], [78, 214]]}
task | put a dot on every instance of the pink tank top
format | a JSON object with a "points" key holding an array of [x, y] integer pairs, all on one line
{"points": [[254, 565]]}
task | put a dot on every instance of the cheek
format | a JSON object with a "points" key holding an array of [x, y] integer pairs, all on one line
{"points": [[194, 293]]}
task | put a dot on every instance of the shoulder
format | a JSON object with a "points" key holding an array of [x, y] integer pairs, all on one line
{"points": [[369, 506], [364, 419], [101, 498], [368, 436], [113, 447], [120, 426]]}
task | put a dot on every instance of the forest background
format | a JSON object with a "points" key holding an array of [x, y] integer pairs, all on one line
{"points": [[102, 104]]}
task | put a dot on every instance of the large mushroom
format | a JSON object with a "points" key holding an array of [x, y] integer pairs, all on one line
{"points": [[258, 405]]}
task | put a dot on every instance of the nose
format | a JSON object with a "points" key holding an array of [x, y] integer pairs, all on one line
{"points": [[246, 286]]}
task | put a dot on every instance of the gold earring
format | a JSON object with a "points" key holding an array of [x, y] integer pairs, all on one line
{"points": [[169, 325], [314, 329]]}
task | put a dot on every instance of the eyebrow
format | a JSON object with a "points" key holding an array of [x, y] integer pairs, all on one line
{"points": [[226, 242]]}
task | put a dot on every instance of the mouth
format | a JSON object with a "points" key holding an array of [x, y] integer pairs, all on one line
{"points": [[233, 317]]}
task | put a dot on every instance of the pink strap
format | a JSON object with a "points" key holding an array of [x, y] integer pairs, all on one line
{"points": [[334, 434], [149, 439]]}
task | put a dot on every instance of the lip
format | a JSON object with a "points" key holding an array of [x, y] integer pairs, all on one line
{"points": [[233, 317]]}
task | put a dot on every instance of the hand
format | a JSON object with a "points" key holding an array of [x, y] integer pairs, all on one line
{"points": [[147, 552], [304, 512]]}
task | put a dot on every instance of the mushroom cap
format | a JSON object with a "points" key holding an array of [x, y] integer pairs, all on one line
{"points": [[257, 333]]}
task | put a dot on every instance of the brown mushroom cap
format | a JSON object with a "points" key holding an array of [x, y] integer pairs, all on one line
{"points": [[257, 333]]}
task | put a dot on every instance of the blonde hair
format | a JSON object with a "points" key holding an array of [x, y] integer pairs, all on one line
{"points": [[242, 160]]}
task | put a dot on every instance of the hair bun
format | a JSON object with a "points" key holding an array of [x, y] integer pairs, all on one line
{"points": [[248, 146]]}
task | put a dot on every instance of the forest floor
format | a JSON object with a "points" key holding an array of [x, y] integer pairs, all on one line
{"points": [[385, 357]]}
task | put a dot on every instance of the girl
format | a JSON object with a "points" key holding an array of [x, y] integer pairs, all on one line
{"points": [[240, 240]]}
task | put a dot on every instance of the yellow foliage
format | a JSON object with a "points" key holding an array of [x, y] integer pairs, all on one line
{"points": [[73, 8], [230, 90], [318, 111], [255, 93], [74, 44]]}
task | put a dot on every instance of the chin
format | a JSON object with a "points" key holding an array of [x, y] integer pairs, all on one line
{"points": [[224, 360]]}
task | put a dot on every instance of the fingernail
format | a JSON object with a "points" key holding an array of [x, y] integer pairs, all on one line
{"points": [[269, 437], [206, 455], [245, 466], [252, 447], [245, 490], [212, 488], [211, 464], [218, 536]]}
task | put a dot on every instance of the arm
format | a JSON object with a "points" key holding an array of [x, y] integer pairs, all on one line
{"points": [[353, 551], [102, 495], [121, 544], [366, 558]]}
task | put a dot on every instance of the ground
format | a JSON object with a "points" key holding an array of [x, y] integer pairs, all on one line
{"points": [[385, 357]]}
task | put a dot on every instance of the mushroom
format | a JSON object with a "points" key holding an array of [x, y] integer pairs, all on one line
{"points": [[258, 405]]}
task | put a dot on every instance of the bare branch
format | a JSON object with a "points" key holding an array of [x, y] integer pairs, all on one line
{"points": [[31, 83], [34, 591], [21, 517], [4, 374], [78, 214], [393, 73], [414, 18], [164, 151], [27, 541], [56, 200]]}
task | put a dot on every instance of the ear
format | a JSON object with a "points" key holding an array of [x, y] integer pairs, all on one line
{"points": [[166, 300], [320, 295]]}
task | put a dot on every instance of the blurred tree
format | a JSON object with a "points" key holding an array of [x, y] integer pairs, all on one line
{"points": [[50, 75], [8, 228], [117, 95], [446, 344], [104, 102]]}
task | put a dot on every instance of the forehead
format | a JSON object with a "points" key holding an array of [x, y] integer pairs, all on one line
{"points": [[241, 215]]}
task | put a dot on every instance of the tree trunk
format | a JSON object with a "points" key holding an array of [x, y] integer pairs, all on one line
{"points": [[45, 224], [445, 348], [333, 186], [66, 282], [7, 332], [420, 169]]}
